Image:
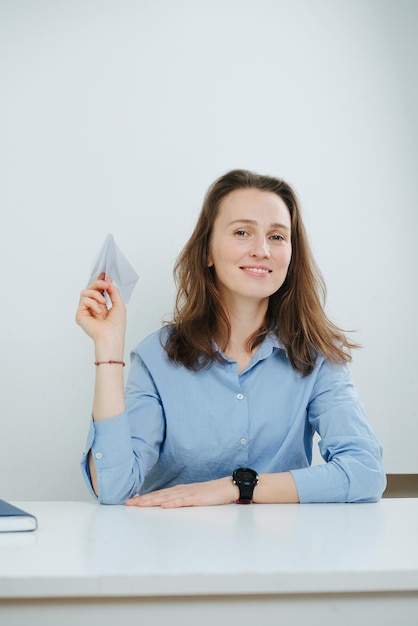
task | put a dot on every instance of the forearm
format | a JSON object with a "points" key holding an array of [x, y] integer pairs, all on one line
{"points": [[276, 488], [109, 399], [272, 488]]}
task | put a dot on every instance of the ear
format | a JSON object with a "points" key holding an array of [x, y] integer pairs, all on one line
{"points": [[210, 261]]}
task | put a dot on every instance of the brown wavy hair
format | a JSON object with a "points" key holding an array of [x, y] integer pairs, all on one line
{"points": [[295, 312]]}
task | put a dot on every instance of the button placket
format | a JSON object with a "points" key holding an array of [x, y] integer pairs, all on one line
{"points": [[243, 424]]}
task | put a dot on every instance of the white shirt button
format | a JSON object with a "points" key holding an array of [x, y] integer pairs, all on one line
{"points": [[243, 441], [98, 455], [240, 396]]}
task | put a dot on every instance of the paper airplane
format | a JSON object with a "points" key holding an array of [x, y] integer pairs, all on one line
{"points": [[114, 264]]}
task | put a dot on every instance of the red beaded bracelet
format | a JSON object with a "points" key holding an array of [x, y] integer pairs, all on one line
{"points": [[110, 362]]}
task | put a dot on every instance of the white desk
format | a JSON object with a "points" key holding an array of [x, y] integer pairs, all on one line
{"points": [[94, 564]]}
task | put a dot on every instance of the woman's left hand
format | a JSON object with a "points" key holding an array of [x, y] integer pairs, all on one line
{"points": [[210, 493]]}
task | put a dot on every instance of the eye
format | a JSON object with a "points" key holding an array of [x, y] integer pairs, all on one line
{"points": [[277, 238], [241, 233]]}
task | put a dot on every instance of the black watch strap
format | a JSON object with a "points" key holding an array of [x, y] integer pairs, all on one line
{"points": [[246, 479]]}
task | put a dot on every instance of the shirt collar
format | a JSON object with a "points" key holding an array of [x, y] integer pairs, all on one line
{"points": [[264, 350], [269, 343]]}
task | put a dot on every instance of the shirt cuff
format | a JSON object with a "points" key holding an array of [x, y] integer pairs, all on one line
{"points": [[110, 444]]}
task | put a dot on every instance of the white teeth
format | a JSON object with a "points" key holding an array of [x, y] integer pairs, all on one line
{"points": [[257, 270]]}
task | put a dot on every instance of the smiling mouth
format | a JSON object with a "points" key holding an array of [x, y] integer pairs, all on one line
{"points": [[256, 270]]}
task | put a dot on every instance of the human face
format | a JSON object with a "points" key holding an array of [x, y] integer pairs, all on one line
{"points": [[250, 248]]}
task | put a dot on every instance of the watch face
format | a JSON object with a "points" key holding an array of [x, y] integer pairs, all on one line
{"points": [[245, 475]]}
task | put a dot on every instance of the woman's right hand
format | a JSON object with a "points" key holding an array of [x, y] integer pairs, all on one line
{"points": [[103, 325]]}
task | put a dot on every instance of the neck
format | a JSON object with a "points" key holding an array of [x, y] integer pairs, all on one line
{"points": [[245, 321]]}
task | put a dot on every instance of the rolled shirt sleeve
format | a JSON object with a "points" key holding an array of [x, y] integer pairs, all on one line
{"points": [[353, 470], [116, 476]]}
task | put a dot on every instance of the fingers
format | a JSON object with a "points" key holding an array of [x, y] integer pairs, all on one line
{"points": [[113, 292], [173, 497], [207, 493], [107, 285], [92, 304], [101, 312], [92, 300], [93, 297]]}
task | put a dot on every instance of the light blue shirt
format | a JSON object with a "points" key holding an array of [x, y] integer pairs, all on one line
{"points": [[183, 426]]}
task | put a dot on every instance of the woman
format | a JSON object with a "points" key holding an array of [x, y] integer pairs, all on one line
{"points": [[221, 405]]}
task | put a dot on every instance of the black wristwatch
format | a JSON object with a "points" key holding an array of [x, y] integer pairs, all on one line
{"points": [[246, 479]]}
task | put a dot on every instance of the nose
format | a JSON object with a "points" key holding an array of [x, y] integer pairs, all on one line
{"points": [[261, 248]]}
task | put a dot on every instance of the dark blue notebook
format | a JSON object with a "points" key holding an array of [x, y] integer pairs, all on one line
{"points": [[13, 519]]}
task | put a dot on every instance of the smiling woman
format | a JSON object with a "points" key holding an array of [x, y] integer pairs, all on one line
{"points": [[250, 252], [294, 309], [250, 249], [222, 404]]}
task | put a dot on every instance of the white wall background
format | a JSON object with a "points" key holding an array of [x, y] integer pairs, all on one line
{"points": [[115, 116]]}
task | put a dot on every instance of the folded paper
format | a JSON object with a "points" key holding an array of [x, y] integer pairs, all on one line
{"points": [[112, 263]]}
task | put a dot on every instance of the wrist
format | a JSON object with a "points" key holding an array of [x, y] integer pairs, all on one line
{"points": [[246, 479], [109, 350], [233, 489]]}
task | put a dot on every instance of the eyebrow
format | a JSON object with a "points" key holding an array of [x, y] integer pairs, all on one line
{"points": [[254, 223]]}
